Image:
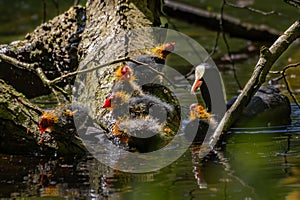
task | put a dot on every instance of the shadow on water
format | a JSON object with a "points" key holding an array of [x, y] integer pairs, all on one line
{"points": [[248, 165]]}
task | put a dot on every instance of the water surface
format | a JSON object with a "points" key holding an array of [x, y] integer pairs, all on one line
{"points": [[257, 163]]}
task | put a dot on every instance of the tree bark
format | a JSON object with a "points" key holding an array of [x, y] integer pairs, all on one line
{"points": [[51, 47], [107, 37], [52, 51], [19, 132]]}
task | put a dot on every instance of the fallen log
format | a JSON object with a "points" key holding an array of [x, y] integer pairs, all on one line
{"points": [[117, 35], [19, 128], [52, 48], [50, 52], [232, 26]]}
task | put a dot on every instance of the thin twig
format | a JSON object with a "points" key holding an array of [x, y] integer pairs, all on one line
{"points": [[71, 74], [17, 63], [254, 9], [283, 76], [226, 43], [287, 83], [189, 43], [56, 4], [153, 70], [215, 47], [76, 2], [295, 3], [44, 11], [213, 51]]}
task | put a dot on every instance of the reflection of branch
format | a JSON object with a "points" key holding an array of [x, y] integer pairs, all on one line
{"points": [[230, 172], [268, 56]]}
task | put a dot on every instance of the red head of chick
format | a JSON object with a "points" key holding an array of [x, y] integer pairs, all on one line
{"points": [[124, 73], [163, 50], [52, 119], [118, 104], [125, 81], [118, 98], [48, 119]]}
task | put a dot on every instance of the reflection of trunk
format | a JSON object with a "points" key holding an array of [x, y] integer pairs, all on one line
{"points": [[233, 26], [53, 47]]}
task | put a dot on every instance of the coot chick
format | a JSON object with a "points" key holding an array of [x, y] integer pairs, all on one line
{"points": [[198, 124], [262, 110], [140, 134], [156, 60]]}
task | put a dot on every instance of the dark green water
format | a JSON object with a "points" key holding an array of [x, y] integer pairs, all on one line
{"points": [[251, 164]]}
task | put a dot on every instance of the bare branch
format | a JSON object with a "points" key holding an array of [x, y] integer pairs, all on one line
{"points": [[39, 71], [153, 70], [18, 63], [295, 3], [283, 76], [267, 58], [125, 59], [227, 45], [254, 9], [72, 74]]}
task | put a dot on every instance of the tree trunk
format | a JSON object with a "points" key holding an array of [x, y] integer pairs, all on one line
{"points": [[56, 48], [19, 132], [52, 47]]}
